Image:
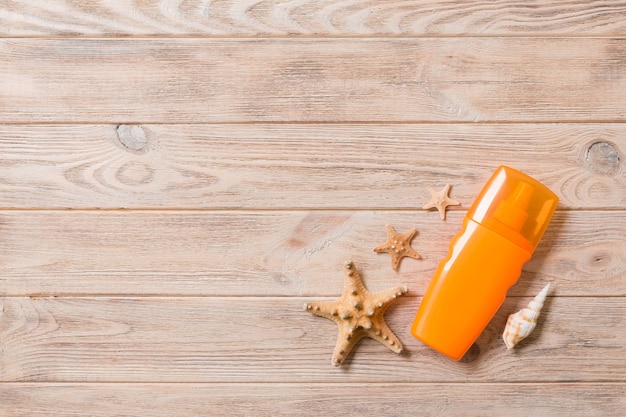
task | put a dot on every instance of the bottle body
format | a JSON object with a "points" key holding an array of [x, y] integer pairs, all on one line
{"points": [[467, 289]]}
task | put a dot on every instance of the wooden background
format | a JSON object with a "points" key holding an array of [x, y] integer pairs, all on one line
{"points": [[178, 177]]}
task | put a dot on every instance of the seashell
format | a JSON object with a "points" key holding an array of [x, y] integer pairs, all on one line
{"points": [[522, 323]]}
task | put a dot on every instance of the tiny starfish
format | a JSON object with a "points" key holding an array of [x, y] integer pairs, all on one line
{"points": [[358, 313], [398, 246], [440, 200]]}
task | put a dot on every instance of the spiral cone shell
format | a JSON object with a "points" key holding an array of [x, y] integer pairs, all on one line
{"points": [[522, 323]]}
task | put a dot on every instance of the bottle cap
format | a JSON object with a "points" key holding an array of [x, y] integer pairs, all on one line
{"points": [[515, 206]]}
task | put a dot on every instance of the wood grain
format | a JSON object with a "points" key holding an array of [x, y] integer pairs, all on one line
{"points": [[317, 80], [266, 339], [297, 166], [310, 17], [277, 253], [329, 399]]}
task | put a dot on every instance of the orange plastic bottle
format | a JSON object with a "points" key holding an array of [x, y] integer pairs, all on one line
{"points": [[500, 232]]}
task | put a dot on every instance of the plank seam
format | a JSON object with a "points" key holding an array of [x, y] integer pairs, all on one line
{"points": [[323, 122], [318, 383], [295, 298], [323, 37], [270, 210]]}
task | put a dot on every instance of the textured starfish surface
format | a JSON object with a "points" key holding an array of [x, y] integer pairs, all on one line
{"points": [[358, 313], [398, 246], [440, 200]]}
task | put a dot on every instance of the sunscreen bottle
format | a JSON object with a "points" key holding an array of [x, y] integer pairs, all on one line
{"points": [[500, 232]]}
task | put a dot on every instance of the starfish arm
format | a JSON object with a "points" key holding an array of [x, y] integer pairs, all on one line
{"points": [[380, 330], [411, 253], [382, 248], [391, 236], [434, 195], [384, 335], [442, 207], [352, 281], [382, 299], [442, 211], [395, 260], [447, 200], [346, 341], [326, 309], [408, 236]]}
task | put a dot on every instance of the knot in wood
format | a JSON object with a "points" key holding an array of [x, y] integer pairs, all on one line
{"points": [[599, 262], [133, 137], [603, 158]]}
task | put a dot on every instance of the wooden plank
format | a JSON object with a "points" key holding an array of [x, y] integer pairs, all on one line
{"points": [[301, 166], [266, 339], [296, 80], [276, 253], [328, 399], [318, 17]]}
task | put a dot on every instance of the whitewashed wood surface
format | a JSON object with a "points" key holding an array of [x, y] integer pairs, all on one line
{"points": [[177, 178]]}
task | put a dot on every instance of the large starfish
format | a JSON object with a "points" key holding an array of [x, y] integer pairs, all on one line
{"points": [[440, 200], [358, 313], [398, 246]]}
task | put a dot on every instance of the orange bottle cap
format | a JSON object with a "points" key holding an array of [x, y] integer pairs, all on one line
{"points": [[515, 206]]}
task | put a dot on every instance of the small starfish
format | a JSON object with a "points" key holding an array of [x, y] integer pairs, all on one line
{"points": [[440, 200], [398, 246], [358, 313]]}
